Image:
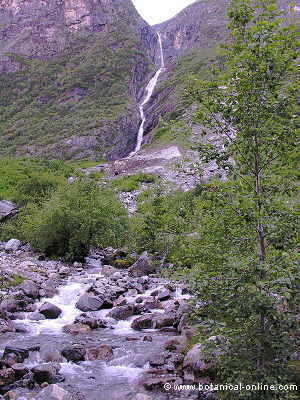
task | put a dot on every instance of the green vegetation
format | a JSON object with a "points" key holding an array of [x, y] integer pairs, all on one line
{"points": [[71, 220], [235, 243], [132, 182], [25, 180], [82, 92]]}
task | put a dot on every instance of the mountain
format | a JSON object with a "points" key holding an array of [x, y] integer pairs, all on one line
{"points": [[71, 75]]}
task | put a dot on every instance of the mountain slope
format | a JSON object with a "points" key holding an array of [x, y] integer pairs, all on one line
{"points": [[72, 73]]}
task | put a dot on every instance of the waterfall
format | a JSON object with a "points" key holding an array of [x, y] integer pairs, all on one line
{"points": [[149, 91]]}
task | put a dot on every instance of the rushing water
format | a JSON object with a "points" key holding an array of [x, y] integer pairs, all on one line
{"points": [[97, 380], [149, 91]]}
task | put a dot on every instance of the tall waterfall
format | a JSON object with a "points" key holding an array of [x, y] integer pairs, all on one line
{"points": [[149, 91]]}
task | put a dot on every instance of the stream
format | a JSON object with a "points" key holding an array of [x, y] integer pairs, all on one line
{"points": [[117, 378]]}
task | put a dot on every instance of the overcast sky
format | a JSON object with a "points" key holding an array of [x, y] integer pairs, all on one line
{"points": [[156, 11]]}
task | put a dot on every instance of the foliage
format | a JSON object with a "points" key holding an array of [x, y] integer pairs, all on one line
{"points": [[25, 180], [251, 104], [132, 182], [83, 91], [72, 220]]}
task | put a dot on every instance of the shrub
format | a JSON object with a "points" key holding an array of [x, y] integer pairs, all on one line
{"points": [[75, 218], [132, 182]]}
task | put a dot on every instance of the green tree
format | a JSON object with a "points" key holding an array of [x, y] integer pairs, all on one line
{"points": [[250, 106]]}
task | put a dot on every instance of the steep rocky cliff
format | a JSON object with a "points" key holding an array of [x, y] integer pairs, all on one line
{"points": [[71, 76]]}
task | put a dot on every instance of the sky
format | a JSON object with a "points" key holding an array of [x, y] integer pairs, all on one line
{"points": [[156, 11]]}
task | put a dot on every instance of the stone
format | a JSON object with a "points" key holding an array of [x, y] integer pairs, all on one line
{"points": [[108, 270], [45, 372], [7, 376], [103, 352], [7, 210], [122, 312], [50, 354], [143, 266], [30, 289], [76, 329], [74, 352], [195, 364], [162, 294], [12, 245], [176, 344], [143, 322], [88, 302], [55, 392], [64, 271], [20, 352], [6, 326], [20, 370], [50, 310], [36, 316], [9, 359], [92, 321]]}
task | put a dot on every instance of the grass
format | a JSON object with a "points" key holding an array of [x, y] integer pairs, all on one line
{"points": [[132, 182]]}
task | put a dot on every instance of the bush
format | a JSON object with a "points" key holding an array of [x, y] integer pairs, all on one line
{"points": [[132, 182], [75, 218]]}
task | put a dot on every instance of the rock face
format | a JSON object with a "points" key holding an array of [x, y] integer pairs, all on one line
{"points": [[118, 48], [7, 210]]}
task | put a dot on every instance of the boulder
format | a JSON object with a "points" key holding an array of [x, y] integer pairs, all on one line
{"points": [[7, 376], [92, 321], [162, 294], [195, 363], [6, 326], [20, 352], [12, 245], [9, 359], [30, 289], [88, 302], [143, 322], [20, 370], [50, 310], [103, 352], [55, 392], [122, 312], [108, 270], [50, 354], [74, 352], [36, 316], [45, 373], [153, 321], [7, 210], [76, 329], [143, 266]]}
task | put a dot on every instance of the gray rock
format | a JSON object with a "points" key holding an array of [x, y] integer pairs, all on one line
{"points": [[55, 392], [20, 370], [12, 245], [50, 310], [195, 364], [122, 312], [7, 376], [6, 326], [76, 329], [7, 210], [108, 270], [143, 266], [30, 288], [45, 372], [74, 352], [50, 354], [88, 302], [103, 352]]}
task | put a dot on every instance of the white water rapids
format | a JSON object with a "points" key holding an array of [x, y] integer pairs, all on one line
{"points": [[149, 91]]}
